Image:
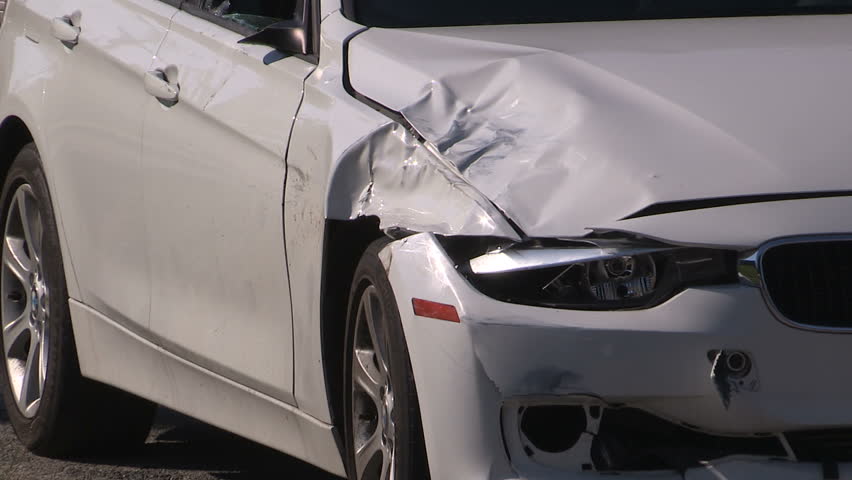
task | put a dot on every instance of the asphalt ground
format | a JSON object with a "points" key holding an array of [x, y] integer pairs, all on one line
{"points": [[178, 448]]}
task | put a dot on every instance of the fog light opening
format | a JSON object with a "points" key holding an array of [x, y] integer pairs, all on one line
{"points": [[622, 439], [555, 428]]}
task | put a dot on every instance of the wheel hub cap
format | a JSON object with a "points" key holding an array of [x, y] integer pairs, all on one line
{"points": [[372, 394], [25, 302]]}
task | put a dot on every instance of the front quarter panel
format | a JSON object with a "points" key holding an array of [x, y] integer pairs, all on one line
{"points": [[347, 161], [313, 145]]}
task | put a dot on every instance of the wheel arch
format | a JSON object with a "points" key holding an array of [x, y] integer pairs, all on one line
{"points": [[344, 245], [14, 135]]}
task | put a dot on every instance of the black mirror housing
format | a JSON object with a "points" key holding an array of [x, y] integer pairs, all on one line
{"points": [[288, 36], [292, 36]]}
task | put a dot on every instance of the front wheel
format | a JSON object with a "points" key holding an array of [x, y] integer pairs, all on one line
{"points": [[384, 435]]}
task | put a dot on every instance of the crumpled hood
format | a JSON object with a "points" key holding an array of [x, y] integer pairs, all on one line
{"points": [[570, 126]]}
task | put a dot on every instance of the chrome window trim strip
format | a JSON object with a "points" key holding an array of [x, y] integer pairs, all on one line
{"points": [[750, 271]]}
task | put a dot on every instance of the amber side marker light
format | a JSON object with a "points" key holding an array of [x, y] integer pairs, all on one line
{"points": [[439, 311]]}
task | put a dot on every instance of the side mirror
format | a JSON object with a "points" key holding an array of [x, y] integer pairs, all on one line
{"points": [[288, 36]]}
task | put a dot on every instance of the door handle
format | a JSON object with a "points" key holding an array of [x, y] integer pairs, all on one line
{"points": [[67, 29], [159, 84]]}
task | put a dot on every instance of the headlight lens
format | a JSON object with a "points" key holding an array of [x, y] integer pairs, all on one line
{"points": [[616, 279], [587, 275]]}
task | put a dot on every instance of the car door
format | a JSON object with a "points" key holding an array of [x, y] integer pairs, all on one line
{"points": [[214, 176], [93, 124]]}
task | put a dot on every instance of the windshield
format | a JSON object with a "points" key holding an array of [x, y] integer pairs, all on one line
{"points": [[433, 13]]}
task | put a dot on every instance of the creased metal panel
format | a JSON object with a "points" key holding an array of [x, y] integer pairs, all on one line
{"points": [[391, 175], [569, 126]]}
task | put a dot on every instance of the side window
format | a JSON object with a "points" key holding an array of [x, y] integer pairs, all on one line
{"points": [[252, 14]]}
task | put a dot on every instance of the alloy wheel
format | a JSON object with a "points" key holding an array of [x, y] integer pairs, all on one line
{"points": [[373, 428], [25, 302]]}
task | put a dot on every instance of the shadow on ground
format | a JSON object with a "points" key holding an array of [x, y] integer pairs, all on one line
{"points": [[179, 444]]}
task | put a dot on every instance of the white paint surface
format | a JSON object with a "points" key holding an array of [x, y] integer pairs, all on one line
{"points": [[193, 233]]}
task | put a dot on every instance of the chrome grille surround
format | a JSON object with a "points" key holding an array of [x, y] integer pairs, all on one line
{"points": [[752, 272]]}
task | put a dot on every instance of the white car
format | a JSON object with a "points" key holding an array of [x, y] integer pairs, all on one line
{"points": [[477, 239]]}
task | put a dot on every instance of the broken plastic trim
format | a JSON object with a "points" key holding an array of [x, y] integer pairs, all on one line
{"points": [[831, 445], [631, 439], [733, 372], [602, 274], [588, 434]]}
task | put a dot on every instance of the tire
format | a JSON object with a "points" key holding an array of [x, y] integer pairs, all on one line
{"points": [[52, 408], [365, 421]]}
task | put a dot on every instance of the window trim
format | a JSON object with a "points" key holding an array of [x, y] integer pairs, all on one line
{"points": [[347, 7]]}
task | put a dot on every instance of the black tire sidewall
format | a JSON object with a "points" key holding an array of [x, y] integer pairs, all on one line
{"points": [[410, 453], [27, 169]]}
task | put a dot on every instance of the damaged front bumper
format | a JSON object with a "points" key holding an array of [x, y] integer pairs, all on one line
{"points": [[782, 417]]}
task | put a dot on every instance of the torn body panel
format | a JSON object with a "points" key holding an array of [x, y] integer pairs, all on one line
{"points": [[389, 174], [550, 140], [566, 127], [662, 362], [345, 161]]}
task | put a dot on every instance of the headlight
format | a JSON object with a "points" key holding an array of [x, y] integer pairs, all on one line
{"points": [[587, 274]]}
